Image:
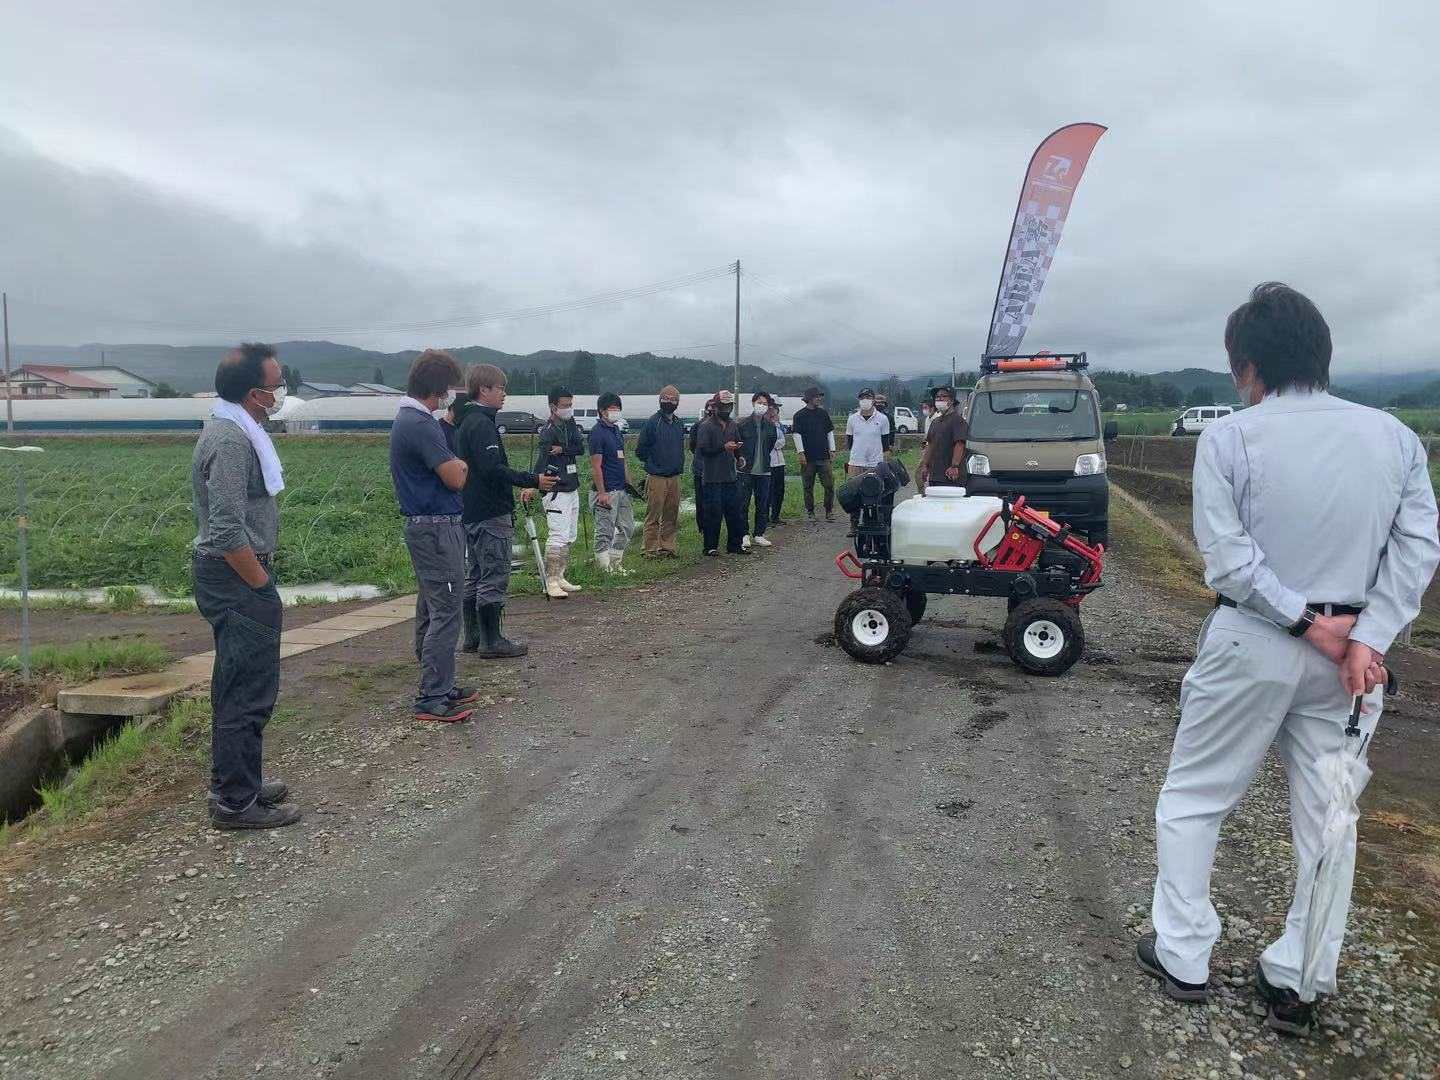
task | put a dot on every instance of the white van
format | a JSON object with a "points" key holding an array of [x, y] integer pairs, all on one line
{"points": [[1194, 421], [905, 420]]}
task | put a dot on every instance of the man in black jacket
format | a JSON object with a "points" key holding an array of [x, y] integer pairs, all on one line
{"points": [[489, 512], [559, 447], [717, 442], [757, 436]]}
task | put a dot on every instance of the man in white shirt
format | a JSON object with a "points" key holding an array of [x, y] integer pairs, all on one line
{"points": [[1316, 518], [867, 434]]}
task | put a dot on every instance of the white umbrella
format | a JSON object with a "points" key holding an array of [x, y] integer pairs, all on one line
{"points": [[1345, 773]]}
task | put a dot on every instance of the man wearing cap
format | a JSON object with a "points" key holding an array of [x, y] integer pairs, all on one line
{"points": [[814, 435], [1316, 520], [867, 437], [941, 463], [717, 445], [661, 450]]}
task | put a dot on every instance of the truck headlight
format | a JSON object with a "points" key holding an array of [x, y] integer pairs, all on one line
{"points": [[978, 465], [1089, 464]]}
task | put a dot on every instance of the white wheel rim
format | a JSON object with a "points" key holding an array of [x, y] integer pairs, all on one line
{"points": [[1044, 639], [870, 627]]}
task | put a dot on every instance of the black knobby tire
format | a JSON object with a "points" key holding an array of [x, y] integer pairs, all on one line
{"points": [[1044, 636], [915, 602], [872, 625]]}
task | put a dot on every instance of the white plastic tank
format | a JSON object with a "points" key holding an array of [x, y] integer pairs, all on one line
{"points": [[942, 526]]}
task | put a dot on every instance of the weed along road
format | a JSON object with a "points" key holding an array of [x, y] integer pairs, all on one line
{"points": [[694, 839]]}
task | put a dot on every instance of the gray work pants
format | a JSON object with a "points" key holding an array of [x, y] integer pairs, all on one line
{"points": [[437, 551], [1251, 685], [487, 579], [615, 524]]}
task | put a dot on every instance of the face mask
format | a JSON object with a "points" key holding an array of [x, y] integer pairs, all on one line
{"points": [[668, 407], [761, 409], [941, 406], [723, 411], [279, 399], [564, 414], [866, 405], [613, 415], [447, 400]]}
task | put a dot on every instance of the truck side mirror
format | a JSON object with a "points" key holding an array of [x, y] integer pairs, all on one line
{"points": [[1112, 430]]}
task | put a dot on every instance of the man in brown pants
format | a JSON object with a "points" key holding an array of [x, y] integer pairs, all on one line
{"points": [[661, 449]]}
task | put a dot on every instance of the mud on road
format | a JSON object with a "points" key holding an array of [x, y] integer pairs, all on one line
{"points": [[690, 840]]}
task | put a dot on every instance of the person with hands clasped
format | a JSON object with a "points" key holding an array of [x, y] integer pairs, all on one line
{"points": [[1316, 519]]}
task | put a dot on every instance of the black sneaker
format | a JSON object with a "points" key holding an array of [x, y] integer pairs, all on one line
{"points": [[712, 552], [272, 793], [257, 816], [449, 712], [1190, 993], [1285, 1012]]}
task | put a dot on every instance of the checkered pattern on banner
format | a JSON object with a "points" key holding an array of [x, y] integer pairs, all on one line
{"points": [[1032, 250]]}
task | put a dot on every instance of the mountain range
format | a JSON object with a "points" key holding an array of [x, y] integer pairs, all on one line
{"points": [[190, 368]]}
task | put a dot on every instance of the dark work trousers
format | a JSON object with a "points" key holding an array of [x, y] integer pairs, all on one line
{"points": [[722, 503], [487, 579], [808, 472], [755, 489], [700, 508], [245, 680], [777, 493], [437, 551]]}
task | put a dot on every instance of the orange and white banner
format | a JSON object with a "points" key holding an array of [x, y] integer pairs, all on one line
{"points": [[1050, 182]]}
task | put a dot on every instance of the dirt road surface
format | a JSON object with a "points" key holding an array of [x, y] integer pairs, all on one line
{"points": [[694, 839]]}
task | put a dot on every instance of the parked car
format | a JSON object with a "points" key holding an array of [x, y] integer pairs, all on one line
{"points": [[517, 423], [1194, 421], [905, 420]]}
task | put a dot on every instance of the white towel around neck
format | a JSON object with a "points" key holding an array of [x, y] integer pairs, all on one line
{"points": [[259, 439]]}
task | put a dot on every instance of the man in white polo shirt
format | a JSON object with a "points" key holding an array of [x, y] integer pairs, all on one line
{"points": [[867, 435]]}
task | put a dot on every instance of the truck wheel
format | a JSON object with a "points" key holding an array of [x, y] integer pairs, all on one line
{"points": [[872, 625], [1044, 636], [915, 602]]}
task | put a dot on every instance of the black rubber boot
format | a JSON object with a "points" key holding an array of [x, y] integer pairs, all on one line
{"points": [[493, 644], [472, 628]]}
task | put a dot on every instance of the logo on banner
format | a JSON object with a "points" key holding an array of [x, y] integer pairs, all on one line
{"points": [[1056, 169]]}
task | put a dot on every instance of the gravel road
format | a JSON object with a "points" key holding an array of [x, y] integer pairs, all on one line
{"points": [[693, 839]]}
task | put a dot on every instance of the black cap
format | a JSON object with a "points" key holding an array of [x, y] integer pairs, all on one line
{"points": [[867, 392], [811, 393]]}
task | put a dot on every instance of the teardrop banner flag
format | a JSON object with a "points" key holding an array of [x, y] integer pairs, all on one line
{"points": [[1050, 182]]}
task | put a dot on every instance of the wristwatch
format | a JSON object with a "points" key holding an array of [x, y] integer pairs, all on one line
{"points": [[1306, 620]]}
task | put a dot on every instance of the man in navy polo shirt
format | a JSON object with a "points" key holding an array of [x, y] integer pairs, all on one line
{"points": [[428, 478], [610, 502]]}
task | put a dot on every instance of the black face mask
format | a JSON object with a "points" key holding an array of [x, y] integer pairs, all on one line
{"points": [[723, 412], [668, 407]]}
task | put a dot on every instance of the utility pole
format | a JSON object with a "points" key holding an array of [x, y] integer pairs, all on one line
{"points": [[9, 386], [952, 373], [737, 336]]}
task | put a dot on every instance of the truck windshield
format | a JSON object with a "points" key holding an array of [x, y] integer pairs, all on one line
{"points": [[1032, 416]]}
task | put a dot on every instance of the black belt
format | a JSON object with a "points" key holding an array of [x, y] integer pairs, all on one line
{"points": [[1323, 609], [262, 559]]}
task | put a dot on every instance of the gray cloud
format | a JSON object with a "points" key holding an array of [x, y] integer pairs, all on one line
{"points": [[336, 167]]}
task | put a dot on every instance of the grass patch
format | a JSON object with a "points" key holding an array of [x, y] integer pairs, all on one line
{"points": [[89, 659], [1166, 567]]}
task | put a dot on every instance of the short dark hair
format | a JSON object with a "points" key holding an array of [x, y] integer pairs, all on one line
{"points": [[811, 393], [433, 372], [606, 400], [558, 392], [761, 394], [1282, 333], [243, 370]]}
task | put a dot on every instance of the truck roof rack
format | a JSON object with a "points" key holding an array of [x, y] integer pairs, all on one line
{"points": [[990, 365]]}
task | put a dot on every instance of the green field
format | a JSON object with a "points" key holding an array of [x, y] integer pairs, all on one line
{"points": [[116, 511]]}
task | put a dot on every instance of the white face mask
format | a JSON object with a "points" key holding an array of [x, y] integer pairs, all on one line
{"points": [[564, 414], [613, 415], [941, 406], [867, 405], [279, 395], [447, 400], [761, 408]]}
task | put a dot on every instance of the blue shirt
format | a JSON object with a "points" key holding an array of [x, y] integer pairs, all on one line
{"points": [[417, 446], [607, 441], [662, 445]]}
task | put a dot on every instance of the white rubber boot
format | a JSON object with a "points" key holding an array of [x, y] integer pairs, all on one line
{"points": [[564, 559], [553, 572], [602, 560]]}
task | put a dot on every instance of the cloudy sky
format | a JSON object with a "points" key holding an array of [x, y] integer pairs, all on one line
{"points": [[385, 175]]}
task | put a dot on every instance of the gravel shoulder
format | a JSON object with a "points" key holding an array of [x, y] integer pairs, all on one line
{"points": [[691, 838]]}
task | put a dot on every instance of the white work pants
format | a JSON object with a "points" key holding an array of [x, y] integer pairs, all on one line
{"points": [[562, 519], [1251, 685]]}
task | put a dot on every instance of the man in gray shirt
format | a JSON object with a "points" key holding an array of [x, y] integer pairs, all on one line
{"points": [[1316, 518], [235, 475]]}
